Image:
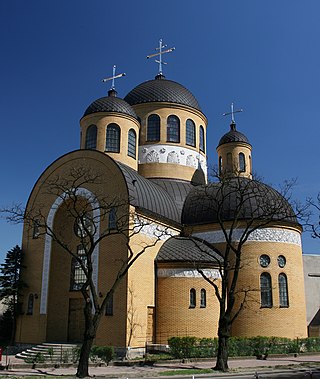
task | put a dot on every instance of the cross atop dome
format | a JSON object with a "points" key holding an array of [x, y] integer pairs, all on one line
{"points": [[159, 54], [112, 90], [233, 123]]}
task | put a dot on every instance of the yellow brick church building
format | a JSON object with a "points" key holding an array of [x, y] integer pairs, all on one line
{"points": [[149, 150]]}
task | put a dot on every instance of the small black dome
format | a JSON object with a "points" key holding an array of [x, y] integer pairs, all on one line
{"points": [[161, 90], [110, 103], [233, 136], [239, 198]]}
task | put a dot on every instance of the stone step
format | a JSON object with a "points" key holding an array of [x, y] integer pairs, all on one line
{"points": [[49, 351]]}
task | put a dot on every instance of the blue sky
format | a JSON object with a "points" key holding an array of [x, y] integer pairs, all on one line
{"points": [[262, 55]]}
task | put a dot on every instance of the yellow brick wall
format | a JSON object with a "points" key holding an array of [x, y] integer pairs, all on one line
{"points": [[174, 316], [281, 322], [102, 120]]}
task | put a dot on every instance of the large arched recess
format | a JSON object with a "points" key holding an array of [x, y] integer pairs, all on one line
{"points": [[48, 272]]}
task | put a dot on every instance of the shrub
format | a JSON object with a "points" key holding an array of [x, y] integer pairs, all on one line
{"points": [[102, 353], [182, 347]]}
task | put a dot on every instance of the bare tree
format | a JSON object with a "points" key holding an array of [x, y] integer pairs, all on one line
{"points": [[96, 217], [239, 207], [312, 221]]}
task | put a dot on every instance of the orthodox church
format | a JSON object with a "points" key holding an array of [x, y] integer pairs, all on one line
{"points": [[149, 149]]}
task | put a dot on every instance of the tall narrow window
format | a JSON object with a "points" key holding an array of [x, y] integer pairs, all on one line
{"points": [[266, 290], [113, 218], [153, 128], [203, 298], [91, 137], [113, 138], [190, 133], [173, 129], [242, 162], [201, 139], [283, 291], [220, 165], [78, 276], [30, 304], [192, 303], [109, 306], [132, 143], [229, 162]]}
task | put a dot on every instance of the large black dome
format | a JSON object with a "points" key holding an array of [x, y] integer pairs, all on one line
{"points": [[161, 90], [110, 103], [239, 198]]}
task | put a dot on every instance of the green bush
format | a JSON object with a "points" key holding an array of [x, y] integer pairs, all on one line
{"points": [[102, 353], [182, 347], [261, 347]]}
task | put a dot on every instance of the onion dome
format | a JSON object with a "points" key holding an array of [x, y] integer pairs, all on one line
{"points": [[110, 103], [239, 198], [161, 90], [233, 136]]}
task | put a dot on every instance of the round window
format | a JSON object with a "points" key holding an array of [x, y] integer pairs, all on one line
{"points": [[281, 261], [264, 260]]}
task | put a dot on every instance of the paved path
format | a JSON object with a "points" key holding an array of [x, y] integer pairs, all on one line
{"points": [[238, 367]]}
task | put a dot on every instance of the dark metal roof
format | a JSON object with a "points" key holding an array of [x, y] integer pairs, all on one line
{"points": [[147, 195], [239, 198], [184, 249], [233, 136], [162, 90], [177, 189], [110, 103]]}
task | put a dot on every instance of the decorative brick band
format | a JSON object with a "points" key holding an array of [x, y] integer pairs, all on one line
{"points": [[262, 235], [171, 154], [187, 273], [153, 230]]}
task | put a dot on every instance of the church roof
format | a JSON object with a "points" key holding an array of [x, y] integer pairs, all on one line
{"points": [[185, 249], [110, 103], [145, 194], [239, 198], [162, 90], [233, 136]]}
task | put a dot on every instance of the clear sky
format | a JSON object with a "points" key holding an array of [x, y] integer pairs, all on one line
{"points": [[262, 55]]}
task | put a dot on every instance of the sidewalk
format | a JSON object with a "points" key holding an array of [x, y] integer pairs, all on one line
{"points": [[237, 367]]}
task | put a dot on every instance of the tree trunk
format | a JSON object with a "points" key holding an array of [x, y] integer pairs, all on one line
{"points": [[83, 365], [89, 336], [223, 354]]}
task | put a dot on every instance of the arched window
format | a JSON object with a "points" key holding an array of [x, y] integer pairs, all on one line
{"points": [[30, 304], [113, 138], [266, 290], [220, 165], [201, 139], [153, 128], [132, 143], [78, 276], [192, 303], [242, 162], [91, 137], [173, 129], [283, 291], [203, 298], [190, 133]]}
